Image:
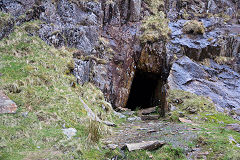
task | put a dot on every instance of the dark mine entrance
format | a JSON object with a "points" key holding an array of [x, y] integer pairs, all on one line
{"points": [[145, 91]]}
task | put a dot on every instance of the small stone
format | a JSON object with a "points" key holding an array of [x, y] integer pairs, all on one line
{"points": [[209, 114], [151, 131], [25, 114], [132, 119], [128, 113], [147, 111], [172, 107], [107, 142], [192, 110], [195, 149], [185, 120], [112, 146], [142, 129], [109, 123], [69, 132], [120, 115]]}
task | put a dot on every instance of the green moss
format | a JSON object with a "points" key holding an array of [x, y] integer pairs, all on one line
{"points": [[155, 28], [194, 27]]}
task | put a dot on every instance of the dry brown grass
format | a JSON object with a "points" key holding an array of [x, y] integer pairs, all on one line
{"points": [[94, 131]]}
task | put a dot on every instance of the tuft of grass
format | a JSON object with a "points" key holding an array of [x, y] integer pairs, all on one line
{"points": [[94, 131], [224, 60], [194, 27], [155, 27]]}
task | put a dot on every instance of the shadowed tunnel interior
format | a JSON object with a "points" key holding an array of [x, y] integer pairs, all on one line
{"points": [[145, 91]]}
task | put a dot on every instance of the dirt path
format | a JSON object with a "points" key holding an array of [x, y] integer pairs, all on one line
{"points": [[176, 134]]}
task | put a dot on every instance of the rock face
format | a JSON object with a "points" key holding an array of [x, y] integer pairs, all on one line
{"points": [[114, 56], [219, 82]]}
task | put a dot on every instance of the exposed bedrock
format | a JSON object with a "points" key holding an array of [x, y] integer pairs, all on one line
{"points": [[127, 50], [218, 82]]}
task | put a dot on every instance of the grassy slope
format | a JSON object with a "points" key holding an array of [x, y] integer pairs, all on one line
{"points": [[36, 76]]}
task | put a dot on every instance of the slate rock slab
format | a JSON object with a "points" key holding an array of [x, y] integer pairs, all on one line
{"points": [[6, 105], [147, 145]]}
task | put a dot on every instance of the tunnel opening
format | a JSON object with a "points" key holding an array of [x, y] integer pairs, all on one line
{"points": [[145, 91]]}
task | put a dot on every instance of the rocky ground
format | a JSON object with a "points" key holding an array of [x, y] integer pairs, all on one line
{"points": [[172, 133]]}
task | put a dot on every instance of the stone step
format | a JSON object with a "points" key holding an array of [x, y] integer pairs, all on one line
{"points": [[147, 145]]}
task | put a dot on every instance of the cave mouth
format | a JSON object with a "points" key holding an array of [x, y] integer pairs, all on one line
{"points": [[145, 91]]}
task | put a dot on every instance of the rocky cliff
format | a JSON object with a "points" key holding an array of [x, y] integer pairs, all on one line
{"points": [[128, 48]]}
